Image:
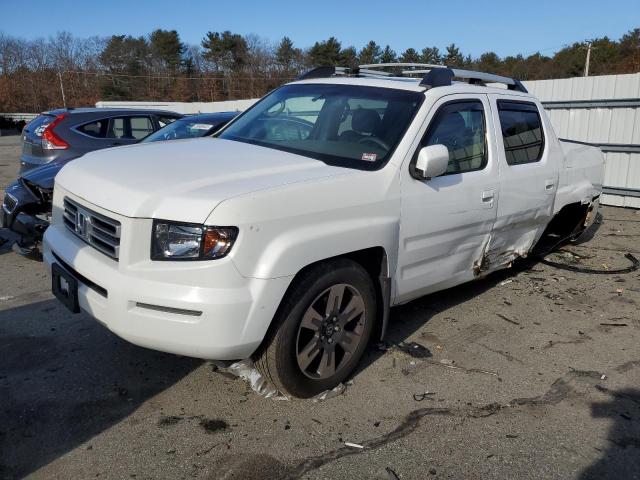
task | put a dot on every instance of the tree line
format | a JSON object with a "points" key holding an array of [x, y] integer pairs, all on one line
{"points": [[226, 65]]}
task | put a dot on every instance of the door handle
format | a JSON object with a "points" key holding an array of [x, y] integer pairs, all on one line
{"points": [[487, 198], [549, 184]]}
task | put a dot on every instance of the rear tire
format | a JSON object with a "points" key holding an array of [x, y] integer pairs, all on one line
{"points": [[321, 329]]}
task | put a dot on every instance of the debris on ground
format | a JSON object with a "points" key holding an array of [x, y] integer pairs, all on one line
{"points": [[614, 324], [353, 445], [458, 367], [327, 394], [246, 370], [505, 282], [419, 397], [504, 317], [635, 265], [414, 349]]}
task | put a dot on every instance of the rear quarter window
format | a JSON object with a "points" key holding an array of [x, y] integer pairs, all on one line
{"points": [[522, 131], [96, 129]]}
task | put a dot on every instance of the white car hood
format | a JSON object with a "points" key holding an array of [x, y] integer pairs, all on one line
{"points": [[183, 180]]}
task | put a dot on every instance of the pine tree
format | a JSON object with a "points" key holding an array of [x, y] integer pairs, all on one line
{"points": [[325, 53], [286, 53], [431, 55], [410, 56], [388, 55], [371, 53], [228, 51], [453, 57], [166, 47]]}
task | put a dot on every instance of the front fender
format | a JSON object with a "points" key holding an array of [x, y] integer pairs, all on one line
{"points": [[285, 229], [294, 249]]}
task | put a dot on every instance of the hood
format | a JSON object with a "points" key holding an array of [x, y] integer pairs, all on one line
{"points": [[183, 180], [44, 176]]}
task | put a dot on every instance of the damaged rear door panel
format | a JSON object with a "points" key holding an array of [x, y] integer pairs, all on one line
{"points": [[529, 161]]}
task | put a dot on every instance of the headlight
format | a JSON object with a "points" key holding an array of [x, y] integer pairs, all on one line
{"points": [[188, 241]]}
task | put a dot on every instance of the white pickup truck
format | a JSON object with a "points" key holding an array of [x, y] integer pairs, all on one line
{"points": [[288, 236]]}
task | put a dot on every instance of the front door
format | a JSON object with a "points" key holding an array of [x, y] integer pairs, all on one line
{"points": [[446, 222]]}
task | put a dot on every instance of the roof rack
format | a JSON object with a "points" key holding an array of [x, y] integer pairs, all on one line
{"points": [[432, 75]]}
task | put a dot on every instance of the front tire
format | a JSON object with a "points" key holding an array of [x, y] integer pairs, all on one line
{"points": [[321, 330]]}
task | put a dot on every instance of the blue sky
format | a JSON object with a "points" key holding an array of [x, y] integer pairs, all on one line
{"points": [[506, 27]]}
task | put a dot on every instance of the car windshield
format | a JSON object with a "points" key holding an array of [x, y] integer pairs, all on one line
{"points": [[183, 128], [345, 125]]}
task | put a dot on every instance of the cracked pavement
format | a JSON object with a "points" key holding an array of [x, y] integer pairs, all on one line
{"points": [[535, 374]]}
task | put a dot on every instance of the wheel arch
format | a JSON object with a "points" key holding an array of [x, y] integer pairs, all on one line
{"points": [[375, 261]]}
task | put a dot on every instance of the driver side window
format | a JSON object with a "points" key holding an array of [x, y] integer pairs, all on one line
{"points": [[460, 126]]}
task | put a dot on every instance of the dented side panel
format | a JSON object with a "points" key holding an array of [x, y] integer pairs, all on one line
{"points": [[446, 222], [527, 197], [447, 236], [581, 176]]}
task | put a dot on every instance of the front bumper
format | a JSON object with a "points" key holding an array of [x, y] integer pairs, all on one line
{"points": [[22, 219], [30, 228], [198, 309]]}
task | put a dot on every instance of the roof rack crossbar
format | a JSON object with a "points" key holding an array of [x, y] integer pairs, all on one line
{"points": [[434, 75], [401, 64], [471, 76]]}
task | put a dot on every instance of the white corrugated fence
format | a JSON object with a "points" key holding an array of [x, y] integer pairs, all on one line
{"points": [[604, 111]]}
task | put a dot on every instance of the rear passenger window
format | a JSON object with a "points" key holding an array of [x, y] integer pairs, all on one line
{"points": [[141, 127], [521, 132], [97, 129], [118, 128], [460, 126], [131, 128]]}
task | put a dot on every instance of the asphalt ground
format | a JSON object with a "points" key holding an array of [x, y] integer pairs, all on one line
{"points": [[535, 373]]}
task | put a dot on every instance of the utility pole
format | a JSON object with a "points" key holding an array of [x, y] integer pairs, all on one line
{"points": [[64, 100], [586, 64]]}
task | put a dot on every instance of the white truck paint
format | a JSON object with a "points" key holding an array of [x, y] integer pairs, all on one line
{"points": [[291, 211]]}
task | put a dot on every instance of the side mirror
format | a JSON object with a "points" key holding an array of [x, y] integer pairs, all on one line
{"points": [[432, 161]]}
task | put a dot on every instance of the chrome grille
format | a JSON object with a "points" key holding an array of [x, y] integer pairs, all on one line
{"points": [[9, 203], [99, 231]]}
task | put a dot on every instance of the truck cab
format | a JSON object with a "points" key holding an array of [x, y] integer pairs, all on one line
{"points": [[288, 236]]}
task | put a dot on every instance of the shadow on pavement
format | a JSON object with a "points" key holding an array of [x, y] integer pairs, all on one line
{"points": [[407, 319], [621, 459], [64, 379]]}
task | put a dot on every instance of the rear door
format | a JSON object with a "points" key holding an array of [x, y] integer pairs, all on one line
{"points": [[446, 222], [528, 178]]}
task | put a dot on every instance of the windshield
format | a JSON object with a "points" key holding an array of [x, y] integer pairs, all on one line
{"points": [[345, 125], [183, 128]]}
